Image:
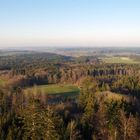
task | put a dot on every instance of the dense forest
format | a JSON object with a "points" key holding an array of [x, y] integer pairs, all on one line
{"points": [[106, 108]]}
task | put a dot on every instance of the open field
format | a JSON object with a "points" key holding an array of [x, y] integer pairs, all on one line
{"points": [[66, 90], [117, 59], [2, 82]]}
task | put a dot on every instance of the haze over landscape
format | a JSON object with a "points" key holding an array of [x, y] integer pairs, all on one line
{"points": [[69, 70], [61, 23]]}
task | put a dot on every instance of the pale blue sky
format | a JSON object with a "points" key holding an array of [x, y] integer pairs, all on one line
{"points": [[69, 23]]}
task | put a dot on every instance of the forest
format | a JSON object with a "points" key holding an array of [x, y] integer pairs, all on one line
{"points": [[48, 96]]}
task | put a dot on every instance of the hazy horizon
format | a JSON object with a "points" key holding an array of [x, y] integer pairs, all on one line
{"points": [[71, 23], [65, 47]]}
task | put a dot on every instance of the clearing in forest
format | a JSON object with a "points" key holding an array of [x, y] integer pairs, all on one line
{"points": [[54, 89], [2, 82], [120, 60]]}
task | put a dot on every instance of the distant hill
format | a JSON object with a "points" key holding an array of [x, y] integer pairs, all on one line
{"points": [[15, 59]]}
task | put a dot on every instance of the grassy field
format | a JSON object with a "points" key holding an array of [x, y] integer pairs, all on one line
{"points": [[2, 82], [121, 60], [65, 90]]}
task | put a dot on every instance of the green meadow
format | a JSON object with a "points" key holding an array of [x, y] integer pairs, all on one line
{"points": [[119, 60], [2, 82], [54, 89]]}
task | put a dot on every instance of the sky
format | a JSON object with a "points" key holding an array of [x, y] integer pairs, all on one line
{"points": [[61, 23]]}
